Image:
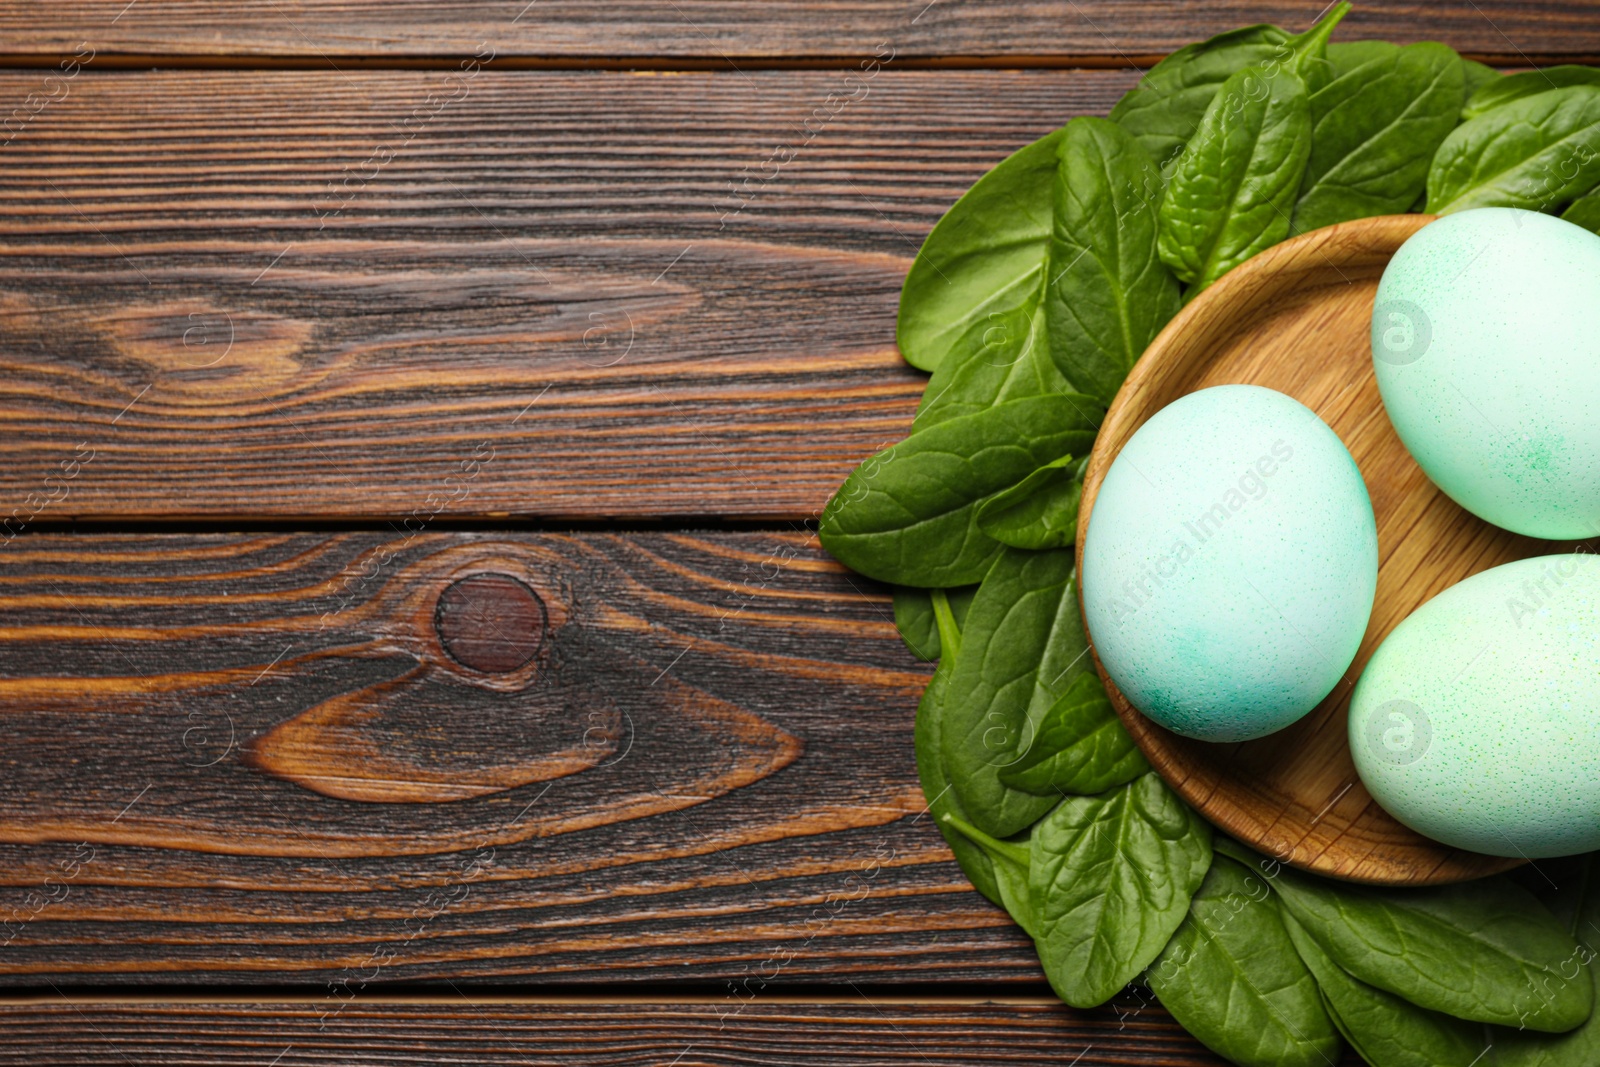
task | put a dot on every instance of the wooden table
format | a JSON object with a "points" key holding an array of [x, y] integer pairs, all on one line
{"points": [[413, 641]]}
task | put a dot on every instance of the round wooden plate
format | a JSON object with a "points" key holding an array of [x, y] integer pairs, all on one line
{"points": [[1296, 319]]}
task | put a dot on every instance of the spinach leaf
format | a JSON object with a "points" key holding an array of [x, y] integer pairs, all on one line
{"points": [[1011, 862], [926, 733], [1585, 212], [1530, 83], [913, 617], [1536, 153], [1386, 1030], [1348, 55], [1230, 976], [974, 862], [1012, 879], [1022, 644], [1374, 131], [1164, 109], [1111, 880], [1306, 54], [1041, 511], [985, 255], [908, 515], [1477, 951], [1003, 356], [1108, 293], [1080, 747], [1576, 903], [1234, 187], [1477, 75]]}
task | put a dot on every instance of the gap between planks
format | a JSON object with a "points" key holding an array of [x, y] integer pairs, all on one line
{"points": [[244, 995], [665, 64], [796, 523]]}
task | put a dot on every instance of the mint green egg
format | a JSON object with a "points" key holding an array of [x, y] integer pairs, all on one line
{"points": [[1230, 563], [1477, 721], [1486, 344]]}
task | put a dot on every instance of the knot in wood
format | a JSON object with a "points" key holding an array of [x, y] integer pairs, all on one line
{"points": [[490, 622]]}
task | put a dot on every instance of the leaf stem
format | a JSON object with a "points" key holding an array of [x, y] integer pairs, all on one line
{"points": [[945, 619], [1008, 850], [1312, 45]]}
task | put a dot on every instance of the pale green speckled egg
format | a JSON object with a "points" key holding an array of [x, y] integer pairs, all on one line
{"points": [[1477, 721], [1230, 564], [1486, 344]]}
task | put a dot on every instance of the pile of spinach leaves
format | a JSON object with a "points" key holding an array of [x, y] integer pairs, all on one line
{"points": [[1028, 304]]}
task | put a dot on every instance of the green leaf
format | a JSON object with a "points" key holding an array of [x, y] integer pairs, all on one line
{"points": [[945, 618], [1386, 1030], [1585, 212], [1108, 293], [1477, 951], [1111, 880], [1231, 977], [1021, 647], [1500, 91], [1235, 186], [908, 515], [913, 617], [1163, 111], [1080, 747], [1308, 51], [1004, 356], [1575, 901], [1374, 131], [1536, 153], [931, 712], [985, 255], [1477, 75], [1348, 55], [1041, 511], [1011, 862]]}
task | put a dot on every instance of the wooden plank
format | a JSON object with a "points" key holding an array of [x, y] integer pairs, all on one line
{"points": [[749, 34], [687, 1032], [579, 295], [353, 758]]}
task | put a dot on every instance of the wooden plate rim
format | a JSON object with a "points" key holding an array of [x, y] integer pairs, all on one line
{"points": [[1302, 262]]}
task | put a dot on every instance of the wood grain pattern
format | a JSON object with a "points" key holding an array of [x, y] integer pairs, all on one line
{"points": [[248, 757], [747, 33], [560, 296], [343, 760], [1296, 319], [857, 1031]]}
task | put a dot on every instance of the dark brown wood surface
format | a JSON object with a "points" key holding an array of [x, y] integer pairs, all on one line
{"points": [[271, 296], [749, 33], [251, 757], [857, 1031]]}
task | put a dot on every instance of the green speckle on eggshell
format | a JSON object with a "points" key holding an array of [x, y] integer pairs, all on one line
{"points": [[1477, 721], [1486, 345], [1230, 564]]}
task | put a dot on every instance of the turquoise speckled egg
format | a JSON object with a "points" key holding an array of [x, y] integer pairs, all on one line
{"points": [[1477, 721], [1486, 344], [1230, 563]]}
